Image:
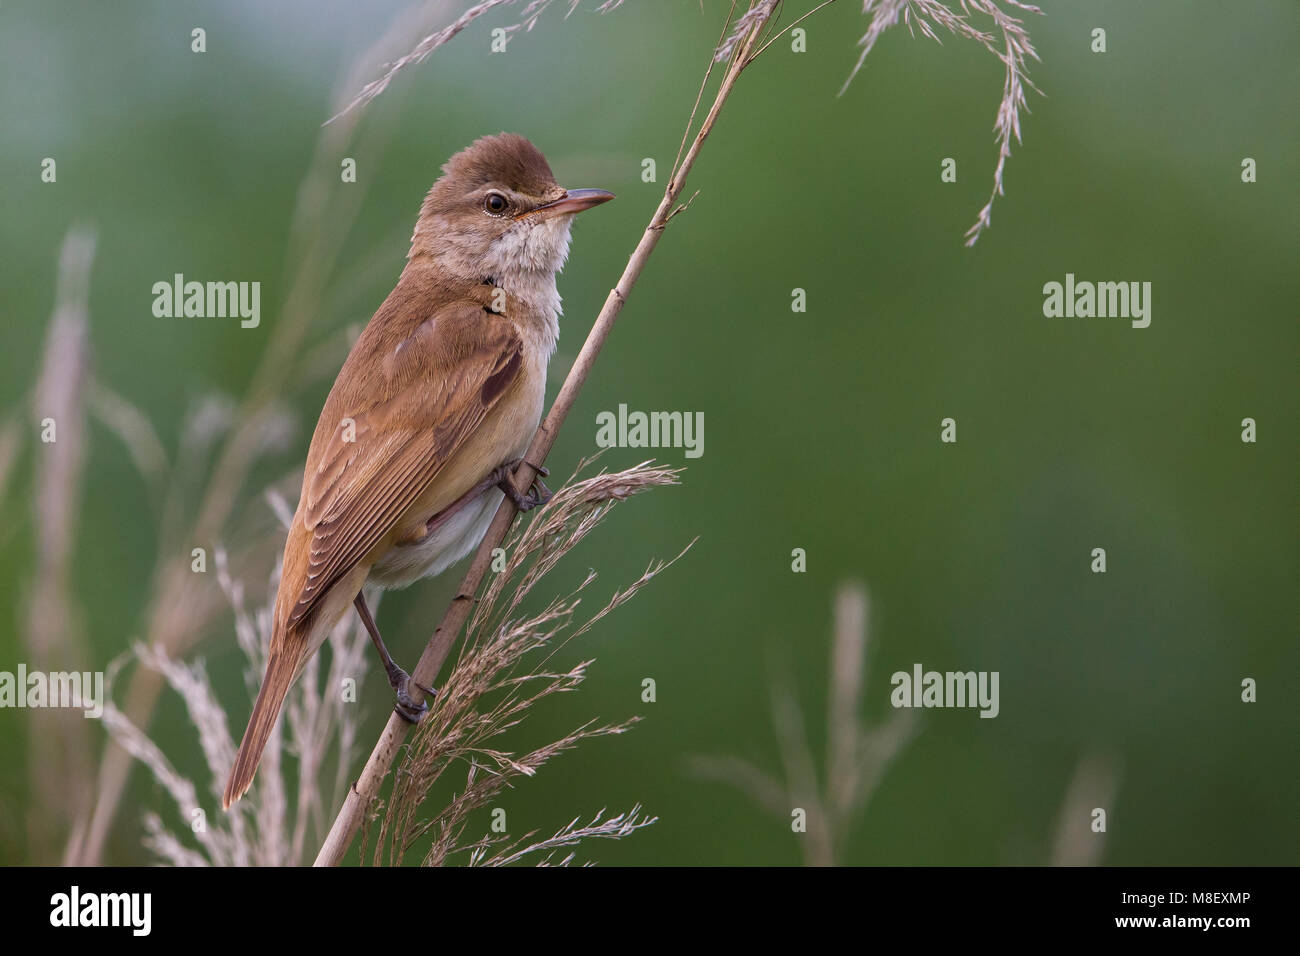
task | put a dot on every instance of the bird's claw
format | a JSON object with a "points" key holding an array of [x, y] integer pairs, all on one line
{"points": [[538, 493], [406, 706]]}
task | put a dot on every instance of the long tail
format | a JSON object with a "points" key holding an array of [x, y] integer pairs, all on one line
{"points": [[281, 669]]}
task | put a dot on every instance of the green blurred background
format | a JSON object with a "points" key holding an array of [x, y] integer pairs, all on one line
{"points": [[822, 428]]}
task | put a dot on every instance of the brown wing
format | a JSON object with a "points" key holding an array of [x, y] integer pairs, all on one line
{"points": [[408, 408]]}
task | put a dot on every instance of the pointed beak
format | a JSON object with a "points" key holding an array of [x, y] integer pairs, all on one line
{"points": [[573, 201]]}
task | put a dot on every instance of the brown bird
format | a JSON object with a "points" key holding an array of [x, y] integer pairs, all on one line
{"points": [[433, 408]]}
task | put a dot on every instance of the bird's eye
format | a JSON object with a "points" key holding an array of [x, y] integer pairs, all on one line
{"points": [[495, 203]]}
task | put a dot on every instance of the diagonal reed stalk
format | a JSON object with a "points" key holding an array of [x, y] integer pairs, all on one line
{"points": [[439, 646]]}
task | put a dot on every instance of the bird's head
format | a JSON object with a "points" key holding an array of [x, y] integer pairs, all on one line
{"points": [[498, 212]]}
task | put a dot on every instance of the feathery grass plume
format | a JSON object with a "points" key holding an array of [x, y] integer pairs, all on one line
{"points": [[857, 756], [611, 828], [272, 827], [1012, 46], [1009, 41], [759, 12], [503, 670], [184, 604], [528, 18]]}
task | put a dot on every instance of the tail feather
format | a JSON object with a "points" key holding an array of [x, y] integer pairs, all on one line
{"points": [[281, 669]]}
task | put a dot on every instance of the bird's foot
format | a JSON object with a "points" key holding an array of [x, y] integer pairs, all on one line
{"points": [[538, 493], [406, 706]]}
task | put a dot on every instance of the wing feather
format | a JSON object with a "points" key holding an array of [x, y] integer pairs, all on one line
{"points": [[438, 386]]}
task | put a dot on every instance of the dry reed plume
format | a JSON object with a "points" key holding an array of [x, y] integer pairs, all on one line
{"points": [[501, 674], [1011, 45], [289, 812], [504, 670], [1008, 40]]}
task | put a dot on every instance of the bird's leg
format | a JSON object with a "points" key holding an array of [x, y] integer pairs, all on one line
{"points": [[499, 474], [401, 682], [538, 493], [499, 477]]}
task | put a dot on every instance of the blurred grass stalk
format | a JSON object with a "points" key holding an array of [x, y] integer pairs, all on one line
{"points": [[59, 750], [1095, 785], [857, 755]]}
